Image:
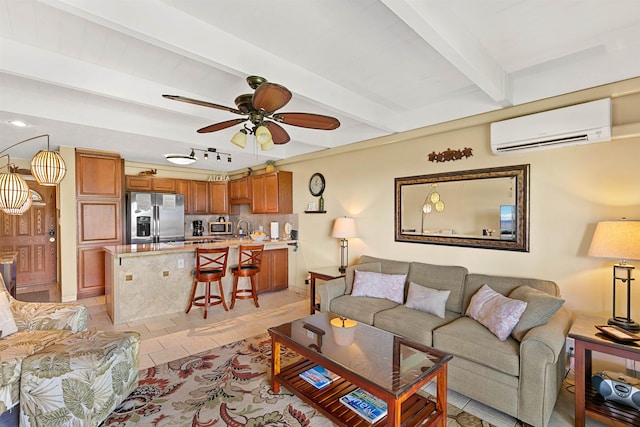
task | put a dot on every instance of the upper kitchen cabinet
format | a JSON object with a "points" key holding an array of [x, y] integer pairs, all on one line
{"points": [[199, 197], [147, 183], [98, 174], [272, 193], [240, 191], [182, 187], [218, 197]]}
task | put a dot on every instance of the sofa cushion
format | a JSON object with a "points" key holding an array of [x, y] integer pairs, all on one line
{"points": [[7, 324], [504, 285], [13, 350], [350, 273], [540, 307], [443, 278], [468, 339], [379, 285], [361, 309], [428, 300], [413, 324], [388, 266], [496, 312]]}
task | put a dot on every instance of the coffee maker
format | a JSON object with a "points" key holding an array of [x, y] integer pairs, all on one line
{"points": [[198, 228]]}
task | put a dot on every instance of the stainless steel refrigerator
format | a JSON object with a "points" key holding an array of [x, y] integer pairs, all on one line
{"points": [[154, 217]]}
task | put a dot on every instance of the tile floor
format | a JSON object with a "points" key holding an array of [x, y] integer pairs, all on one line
{"points": [[172, 336]]}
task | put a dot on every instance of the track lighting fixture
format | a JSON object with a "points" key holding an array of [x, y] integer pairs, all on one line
{"points": [[180, 159]]}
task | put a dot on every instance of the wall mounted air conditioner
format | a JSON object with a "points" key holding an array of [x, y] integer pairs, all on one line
{"points": [[578, 124]]}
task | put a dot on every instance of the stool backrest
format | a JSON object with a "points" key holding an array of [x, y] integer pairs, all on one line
{"points": [[211, 260], [250, 256]]}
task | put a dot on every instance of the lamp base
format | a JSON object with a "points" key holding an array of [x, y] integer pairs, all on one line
{"points": [[623, 323]]}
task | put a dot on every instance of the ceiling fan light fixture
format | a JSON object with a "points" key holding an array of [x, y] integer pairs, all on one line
{"points": [[181, 159], [263, 136], [240, 138], [269, 145]]}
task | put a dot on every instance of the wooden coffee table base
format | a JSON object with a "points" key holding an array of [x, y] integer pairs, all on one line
{"points": [[408, 409]]}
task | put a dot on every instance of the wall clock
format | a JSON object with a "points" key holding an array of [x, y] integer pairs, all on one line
{"points": [[316, 184]]}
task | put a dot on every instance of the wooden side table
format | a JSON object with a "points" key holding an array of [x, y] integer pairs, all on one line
{"points": [[323, 273], [588, 401]]}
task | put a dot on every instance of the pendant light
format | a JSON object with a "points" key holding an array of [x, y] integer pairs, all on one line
{"points": [[14, 190], [47, 167], [21, 209]]}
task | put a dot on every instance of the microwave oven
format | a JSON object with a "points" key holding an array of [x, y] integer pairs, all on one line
{"points": [[220, 227]]}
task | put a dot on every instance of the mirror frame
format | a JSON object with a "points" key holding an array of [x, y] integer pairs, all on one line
{"points": [[519, 172]]}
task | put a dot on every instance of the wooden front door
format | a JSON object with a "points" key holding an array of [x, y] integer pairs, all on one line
{"points": [[29, 234]]}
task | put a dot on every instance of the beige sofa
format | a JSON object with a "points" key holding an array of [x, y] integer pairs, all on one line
{"points": [[55, 372], [521, 378]]}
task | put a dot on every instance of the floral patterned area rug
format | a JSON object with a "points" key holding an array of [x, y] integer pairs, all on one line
{"points": [[228, 385]]}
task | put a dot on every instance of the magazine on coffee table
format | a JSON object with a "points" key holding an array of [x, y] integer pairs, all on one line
{"points": [[319, 377], [365, 404]]}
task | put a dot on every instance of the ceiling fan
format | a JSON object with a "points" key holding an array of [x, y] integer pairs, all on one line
{"points": [[259, 108]]}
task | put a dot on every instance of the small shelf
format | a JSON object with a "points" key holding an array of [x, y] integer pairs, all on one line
{"points": [[416, 409], [313, 212]]}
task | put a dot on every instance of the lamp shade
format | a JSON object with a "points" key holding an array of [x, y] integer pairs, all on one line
{"points": [[263, 135], [48, 168], [25, 207], [344, 228], [240, 138], [617, 240], [14, 191]]}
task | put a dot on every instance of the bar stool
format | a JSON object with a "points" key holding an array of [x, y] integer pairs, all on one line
{"points": [[249, 260], [211, 266]]}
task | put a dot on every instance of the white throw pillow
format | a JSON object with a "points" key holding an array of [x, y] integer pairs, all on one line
{"points": [[426, 299], [7, 324], [495, 312], [379, 285]]}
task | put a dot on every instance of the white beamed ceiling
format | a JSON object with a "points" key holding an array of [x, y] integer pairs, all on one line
{"points": [[91, 73]]}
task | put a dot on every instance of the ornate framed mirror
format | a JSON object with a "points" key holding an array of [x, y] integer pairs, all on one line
{"points": [[482, 208]]}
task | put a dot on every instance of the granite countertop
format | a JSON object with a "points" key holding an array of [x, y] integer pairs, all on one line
{"points": [[122, 251]]}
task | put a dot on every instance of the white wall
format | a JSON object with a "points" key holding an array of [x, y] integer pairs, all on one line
{"points": [[571, 189]]}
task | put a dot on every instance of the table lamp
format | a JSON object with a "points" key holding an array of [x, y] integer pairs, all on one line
{"points": [[344, 228], [619, 240]]}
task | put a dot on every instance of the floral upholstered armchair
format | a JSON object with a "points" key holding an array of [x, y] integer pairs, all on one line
{"points": [[26, 329], [60, 373]]}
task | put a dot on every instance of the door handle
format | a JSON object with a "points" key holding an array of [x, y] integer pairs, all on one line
{"points": [[52, 235]]}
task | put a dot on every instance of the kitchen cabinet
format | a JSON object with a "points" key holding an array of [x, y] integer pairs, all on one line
{"points": [[218, 197], [98, 174], [274, 271], [182, 187], [199, 197], [240, 191], [272, 193], [99, 211], [148, 183]]}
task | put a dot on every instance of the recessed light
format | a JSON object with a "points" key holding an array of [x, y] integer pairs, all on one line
{"points": [[19, 123]]}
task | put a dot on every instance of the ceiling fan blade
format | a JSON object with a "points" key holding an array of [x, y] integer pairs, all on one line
{"points": [[307, 120], [278, 134], [202, 103], [270, 97], [221, 125]]}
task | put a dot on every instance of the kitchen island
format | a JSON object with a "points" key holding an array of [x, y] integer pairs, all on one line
{"points": [[148, 280]]}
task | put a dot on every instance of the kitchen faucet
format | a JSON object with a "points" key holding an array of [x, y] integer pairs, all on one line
{"points": [[241, 232]]}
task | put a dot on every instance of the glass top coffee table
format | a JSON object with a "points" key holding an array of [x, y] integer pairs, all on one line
{"points": [[390, 367]]}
